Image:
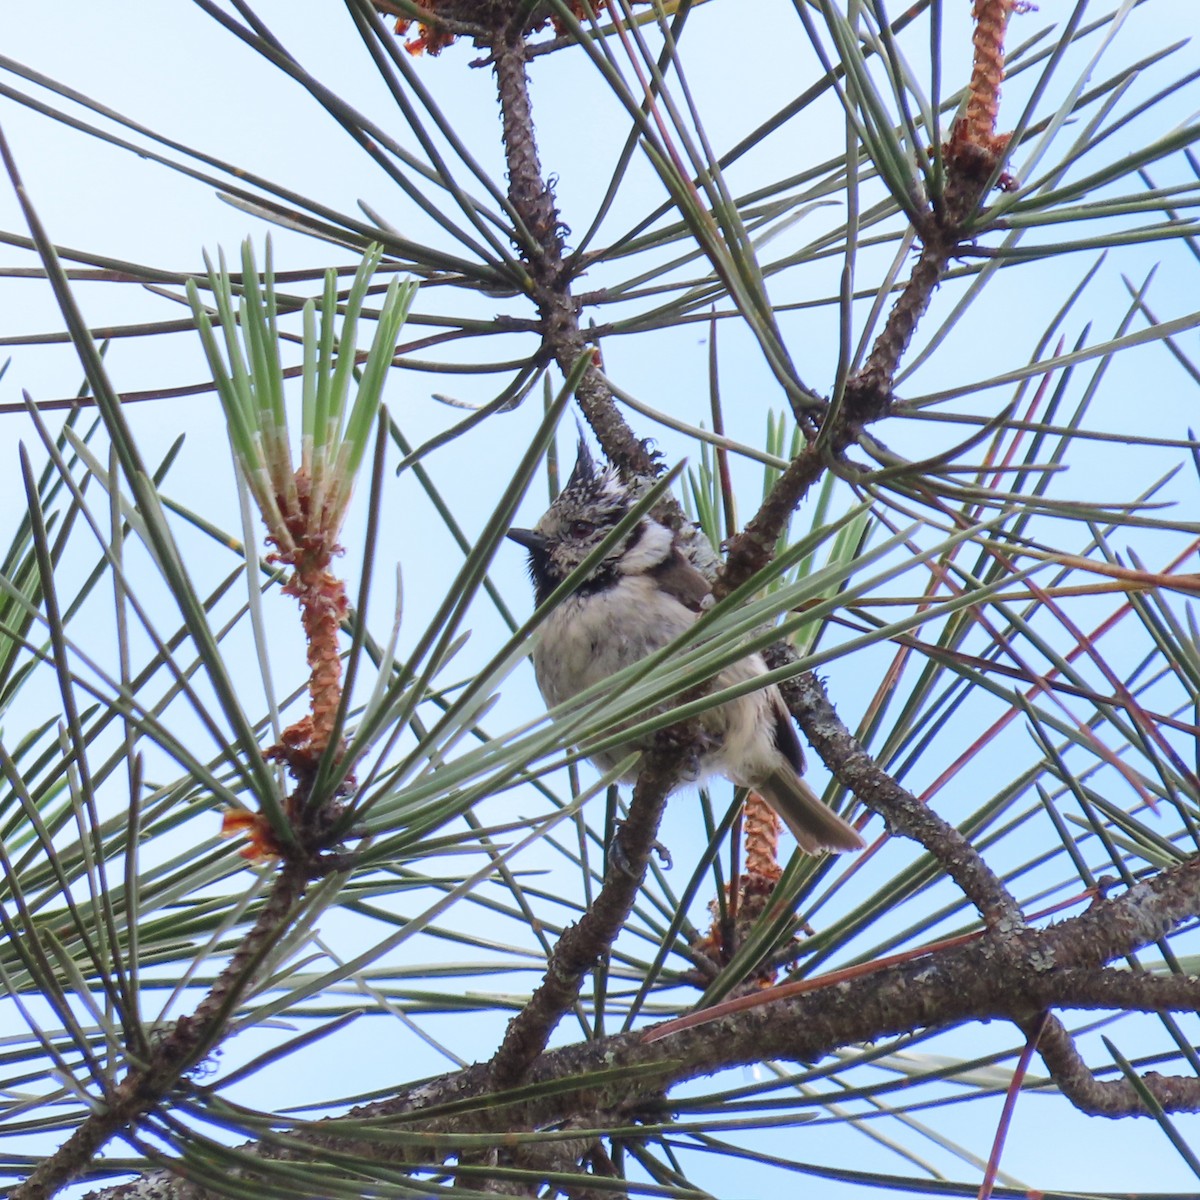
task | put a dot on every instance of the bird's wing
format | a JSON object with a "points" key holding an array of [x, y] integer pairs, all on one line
{"points": [[786, 741], [679, 579]]}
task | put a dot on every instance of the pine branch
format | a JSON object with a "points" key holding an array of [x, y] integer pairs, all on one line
{"points": [[854, 768], [180, 1051], [541, 245], [1003, 975], [587, 941]]}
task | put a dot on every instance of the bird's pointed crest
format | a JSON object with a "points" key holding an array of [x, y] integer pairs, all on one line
{"points": [[588, 478], [584, 473]]}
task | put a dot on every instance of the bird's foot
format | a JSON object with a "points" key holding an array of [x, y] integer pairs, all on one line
{"points": [[619, 859]]}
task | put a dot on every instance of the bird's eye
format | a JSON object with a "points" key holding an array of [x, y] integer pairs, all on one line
{"points": [[582, 528]]}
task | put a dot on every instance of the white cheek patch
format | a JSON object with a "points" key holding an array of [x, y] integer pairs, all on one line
{"points": [[652, 548]]}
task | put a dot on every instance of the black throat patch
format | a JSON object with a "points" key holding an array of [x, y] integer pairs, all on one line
{"points": [[546, 577]]}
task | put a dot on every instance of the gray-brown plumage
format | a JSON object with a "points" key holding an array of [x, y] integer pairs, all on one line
{"points": [[642, 595]]}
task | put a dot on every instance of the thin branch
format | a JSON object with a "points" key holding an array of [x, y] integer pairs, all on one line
{"points": [[1117, 1097], [587, 941], [180, 1051], [944, 224], [857, 771], [541, 245]]}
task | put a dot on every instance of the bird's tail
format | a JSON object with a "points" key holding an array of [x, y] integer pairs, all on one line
{"points": [[814, 825]]}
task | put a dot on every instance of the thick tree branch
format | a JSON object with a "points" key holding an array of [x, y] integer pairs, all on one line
{"points": [[1006, 975]]}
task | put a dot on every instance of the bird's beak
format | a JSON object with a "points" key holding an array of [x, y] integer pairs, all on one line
{"points": [[529, 538]]}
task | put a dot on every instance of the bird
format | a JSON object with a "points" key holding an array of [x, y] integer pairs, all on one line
{"points": [[642, 595]]}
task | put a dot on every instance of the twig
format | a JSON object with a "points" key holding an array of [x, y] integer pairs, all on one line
{"points": [[540, 243], [1118, 1097]]}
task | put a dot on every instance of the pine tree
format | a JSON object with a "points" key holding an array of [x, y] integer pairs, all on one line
{"points": [[304, 894]]}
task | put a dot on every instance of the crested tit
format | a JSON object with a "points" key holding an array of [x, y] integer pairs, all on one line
{"points": [[642, 595]]}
